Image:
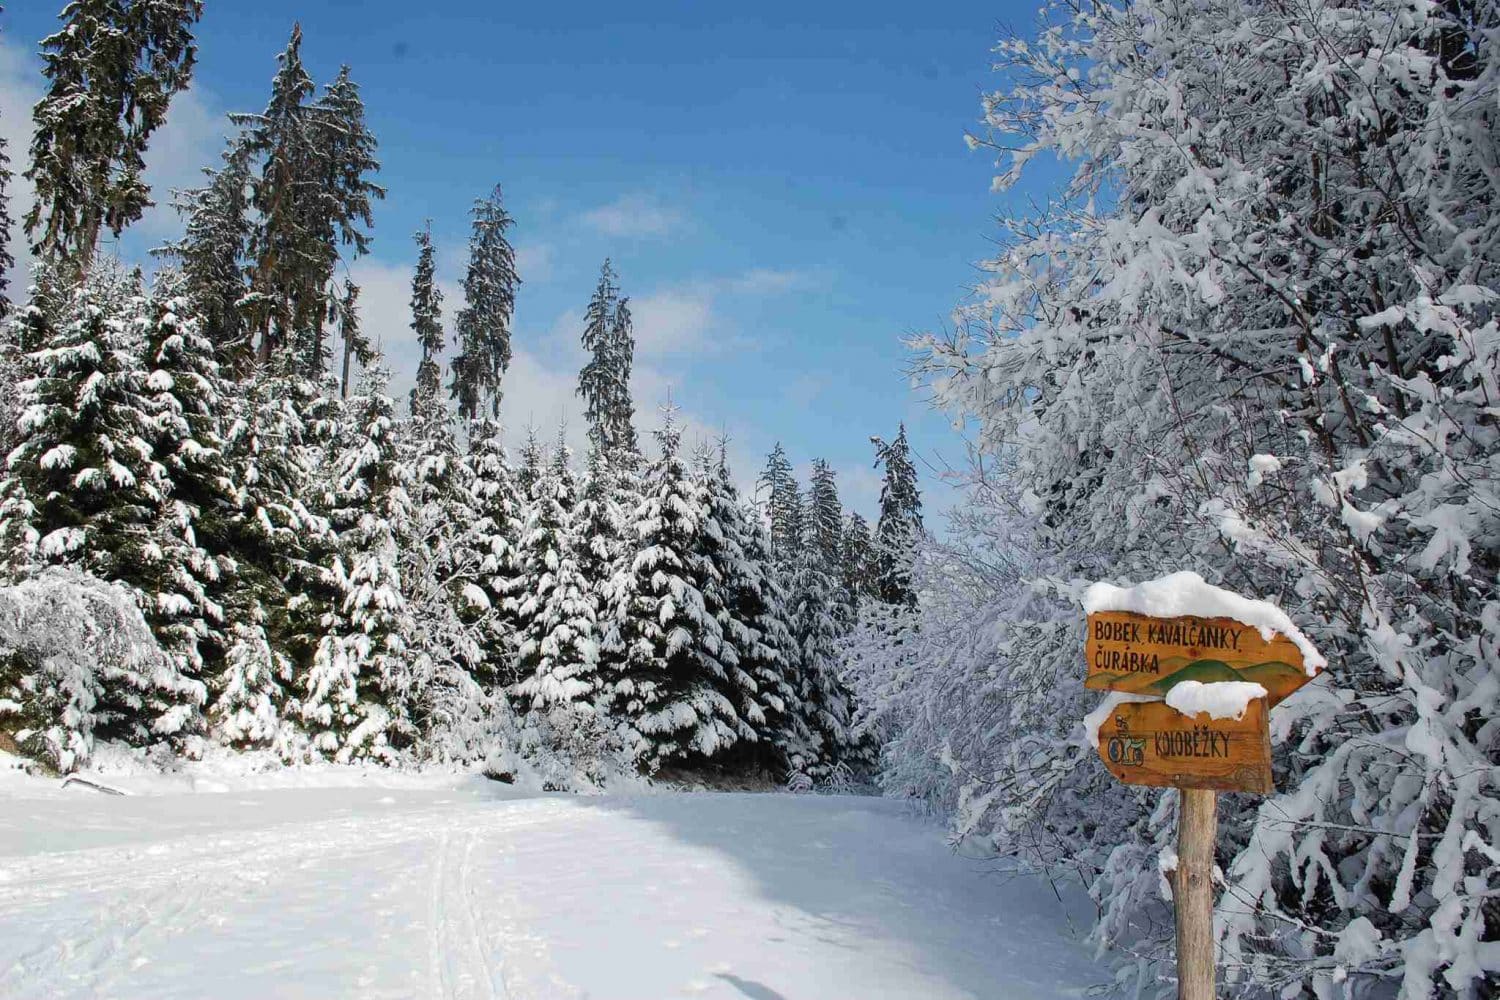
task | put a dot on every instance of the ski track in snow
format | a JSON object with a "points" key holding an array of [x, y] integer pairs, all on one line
{"points": [[395, 893]]}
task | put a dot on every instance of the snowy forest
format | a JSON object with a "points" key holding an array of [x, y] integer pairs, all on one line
{"points": [[247, 542], [1252, 333]]}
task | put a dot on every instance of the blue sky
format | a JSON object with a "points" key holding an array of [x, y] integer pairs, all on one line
{"points": [[785, 193]]}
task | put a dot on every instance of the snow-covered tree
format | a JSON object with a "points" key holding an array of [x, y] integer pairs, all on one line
{"points": [[556, 609], [492, 568], [427, 324], [783, 503], [1254, 335], [211, 253], [77, 650], [112, 71], [604, 381], [900, 525], [356, 690], [758, 654], [660, 630], [483, 324], [195, 565], [858, 561], [529, 471], [310, 192], [819, 629], [85, 486]]}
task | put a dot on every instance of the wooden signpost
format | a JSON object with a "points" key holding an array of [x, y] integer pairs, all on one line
{"points": [[1152, 743]]}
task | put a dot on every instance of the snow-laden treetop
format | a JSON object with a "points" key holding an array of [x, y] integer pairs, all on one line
{"points": [[1187, 593]]}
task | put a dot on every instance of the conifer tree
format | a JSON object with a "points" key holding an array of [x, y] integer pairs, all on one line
{"points": [[483, 324], [279, 529], [669, 706], [112, 72], [823, 537], [357, 346], [604, 382], [858, 561], [555, 611], [818, 632], [249, 709], [211, 253], [774, 660], [783, 507], [85, 487], [357, 688], [529, 471], [427, 324], [311, 193], [196, 563], [497, 510], [756, 653], [900, 523], [599, 524], [85, 458]]}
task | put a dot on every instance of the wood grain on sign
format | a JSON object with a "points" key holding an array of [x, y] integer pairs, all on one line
{"points": [[1145, 655], [1151, 743]]}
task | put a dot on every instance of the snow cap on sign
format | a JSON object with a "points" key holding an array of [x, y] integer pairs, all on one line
{"points": [[1219, 699], [1187, 593]]}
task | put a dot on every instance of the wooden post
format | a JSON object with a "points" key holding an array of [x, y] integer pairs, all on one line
{"points": [[1193, 894]]}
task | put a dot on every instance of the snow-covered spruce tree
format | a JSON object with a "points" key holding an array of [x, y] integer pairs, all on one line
{"points": [[211, 254], [1255, 337], [783, 503], [857, 560], [759, 653], [599, 520], [427, 324], [492, 575], [668, 707], [604, 381], [356, 691], [899, 527], [529, 470], [112, 72], [718, 557], [281, 540], [820, 621], [447, 625], [193, 575], [766, 604], [483, 324], [555, 610], [85, 487]]}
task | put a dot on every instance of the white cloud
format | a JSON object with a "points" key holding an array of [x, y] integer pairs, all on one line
{"points": [[534, 262], [764, 281], [634, 215], [672, 321], [191, 139]]}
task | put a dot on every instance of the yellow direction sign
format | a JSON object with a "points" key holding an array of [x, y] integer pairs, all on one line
{"points": [[1151, 743], [1144, 655]]}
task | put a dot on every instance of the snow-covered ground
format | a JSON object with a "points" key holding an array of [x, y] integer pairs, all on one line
{"points": [[457, 887]]}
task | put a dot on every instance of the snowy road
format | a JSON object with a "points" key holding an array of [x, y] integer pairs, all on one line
{"points": [[466, 891]]}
